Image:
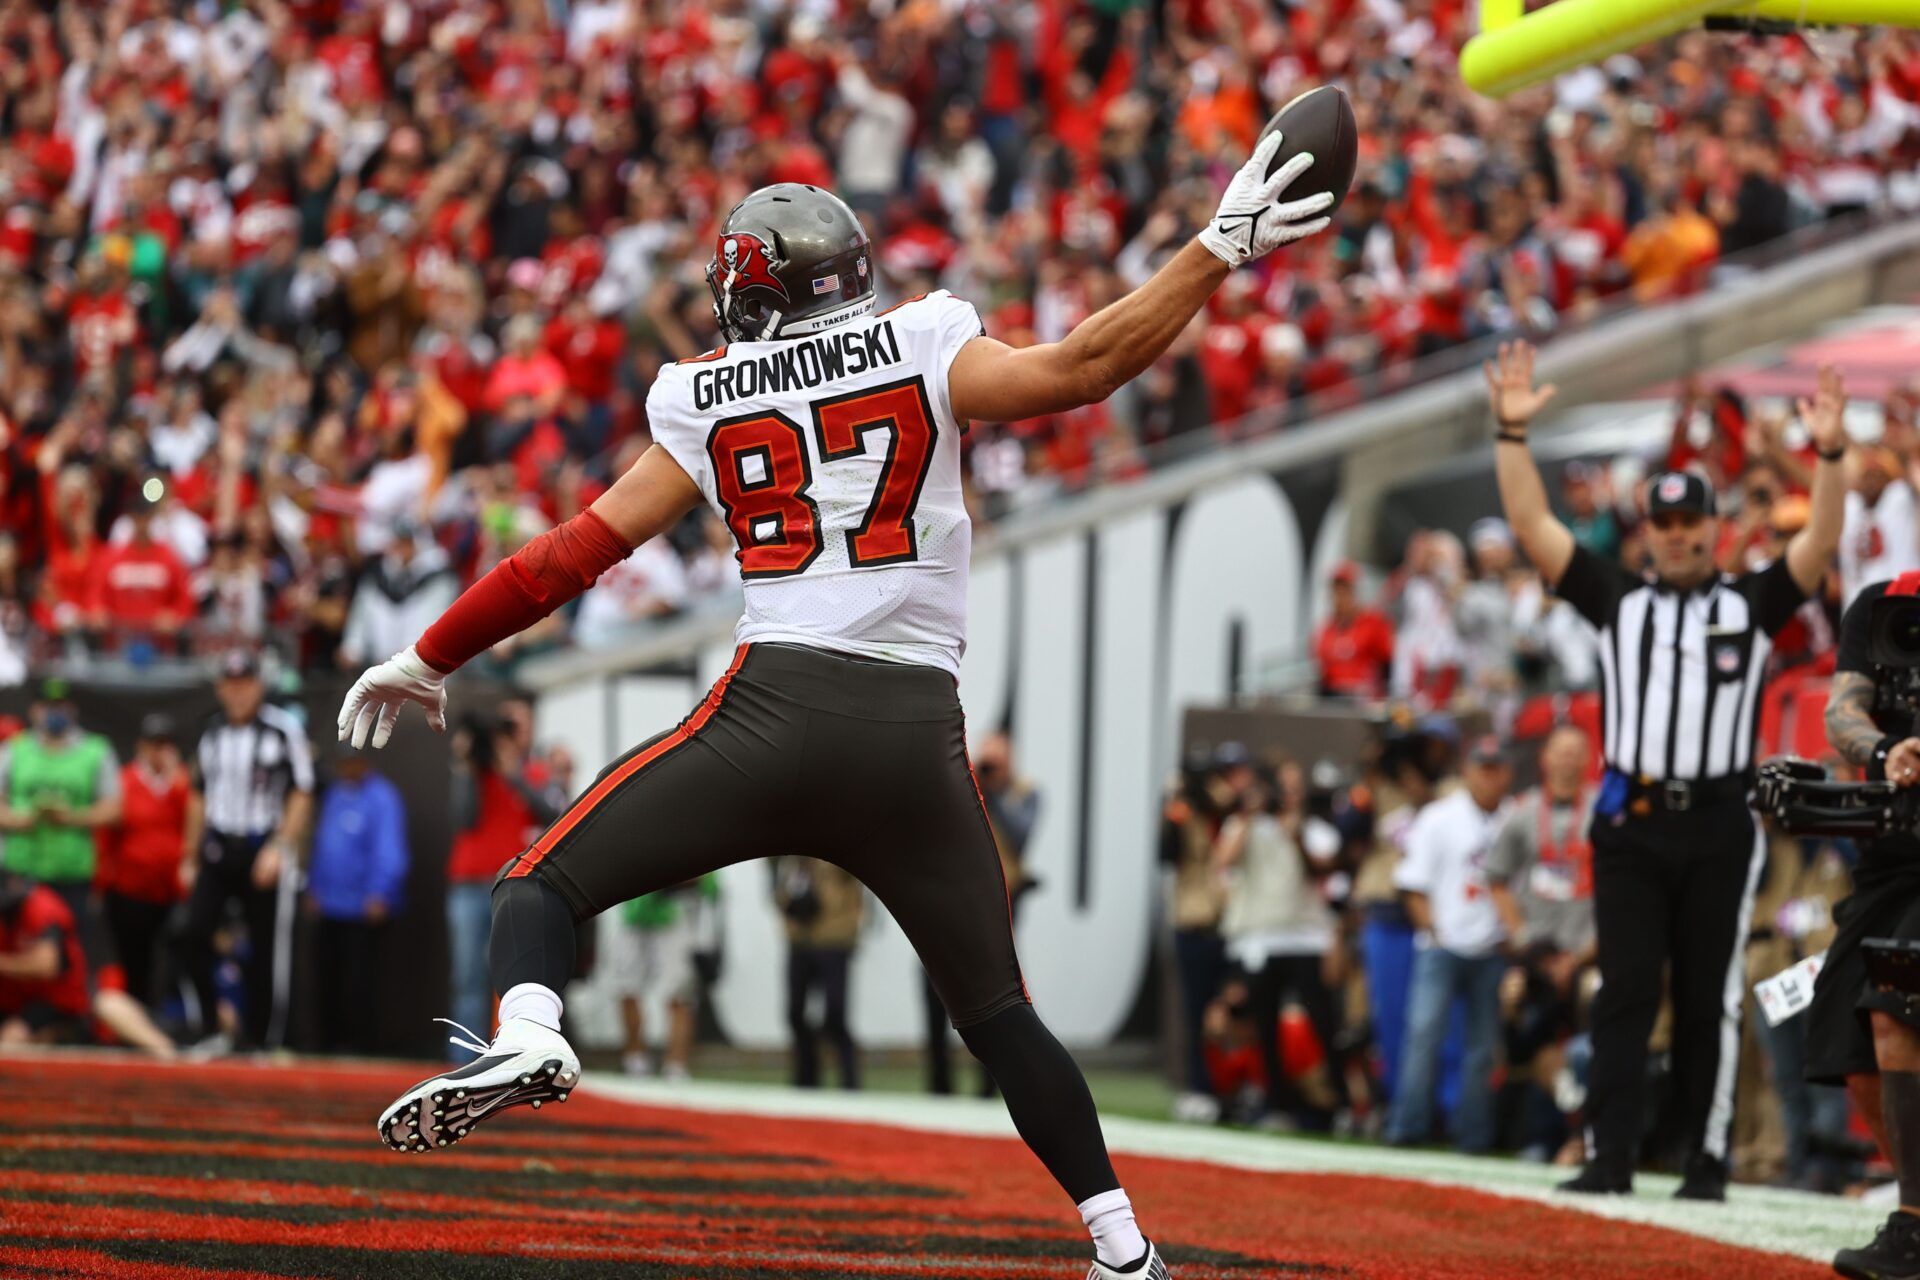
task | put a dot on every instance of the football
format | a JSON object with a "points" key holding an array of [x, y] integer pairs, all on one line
{"points": [[1318, 121]]}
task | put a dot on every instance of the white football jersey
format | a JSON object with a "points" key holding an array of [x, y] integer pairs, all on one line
{"points": [[834, 458]]}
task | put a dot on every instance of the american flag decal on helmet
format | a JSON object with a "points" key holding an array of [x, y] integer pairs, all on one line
{"points": [[825, 284]]}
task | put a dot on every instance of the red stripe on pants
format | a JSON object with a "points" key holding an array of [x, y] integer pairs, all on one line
{"points": [[607, 785]]}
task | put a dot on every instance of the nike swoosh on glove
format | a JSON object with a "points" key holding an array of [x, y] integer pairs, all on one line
{"points": [[373, 704], [1252, 220]]}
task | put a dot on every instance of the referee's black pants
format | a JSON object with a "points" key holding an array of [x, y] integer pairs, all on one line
{"points": [[1672, 891], [225, 875]]}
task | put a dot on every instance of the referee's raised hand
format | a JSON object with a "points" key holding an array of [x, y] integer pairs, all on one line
{"points": [[1510, 387]]}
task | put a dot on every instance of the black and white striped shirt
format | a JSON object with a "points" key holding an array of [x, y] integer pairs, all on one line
{"points": [[1681, 671], [246, 770]]}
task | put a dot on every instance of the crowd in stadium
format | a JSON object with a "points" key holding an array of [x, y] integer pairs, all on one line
{"points": [[310, 311]]}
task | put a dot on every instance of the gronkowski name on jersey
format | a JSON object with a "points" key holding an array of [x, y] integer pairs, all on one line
{"points": [[835, 461]]}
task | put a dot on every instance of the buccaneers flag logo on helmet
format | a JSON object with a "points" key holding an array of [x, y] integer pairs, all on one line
{"points": [[745, 262]]}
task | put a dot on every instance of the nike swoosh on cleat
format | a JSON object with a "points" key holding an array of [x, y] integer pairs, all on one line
{"points": [[475, 1112]]}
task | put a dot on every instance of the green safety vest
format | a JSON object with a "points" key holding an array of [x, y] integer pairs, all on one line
{"points": [[658, 910], [37, 771]]}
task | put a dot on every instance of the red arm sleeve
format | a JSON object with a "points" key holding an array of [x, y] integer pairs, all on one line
{"points": [[522, 589]]}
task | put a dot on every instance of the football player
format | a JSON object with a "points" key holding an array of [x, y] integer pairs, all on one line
{"points": [[827, 435]]}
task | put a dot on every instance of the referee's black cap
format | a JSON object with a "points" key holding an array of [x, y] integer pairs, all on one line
{"points": [[239, 663], [1680, 491]]}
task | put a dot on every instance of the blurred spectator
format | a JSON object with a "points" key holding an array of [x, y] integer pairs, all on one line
{"points": [[502, 798], [1354, 646], [1444, 878], [1188, 821], [1589, 515], [1013, 808], [401, 593], [1881, 539], [1427, 651], [1279, 931], [1540, 871], [824, 908], [140, 587], [1403, 778], [43, 971], [1671, 251], [1484, 615], [252, 799], [650, 954], [356, 875], [232, 594], [648, 585], [59, 784], [139, 863]]}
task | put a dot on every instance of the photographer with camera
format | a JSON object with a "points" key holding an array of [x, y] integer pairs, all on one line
{"points": [[1676, 851], [824, 908], [1863, 1026], [1270, 858]]}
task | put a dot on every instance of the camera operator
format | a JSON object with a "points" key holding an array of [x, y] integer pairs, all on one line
{"points": [[1860, 1033]]}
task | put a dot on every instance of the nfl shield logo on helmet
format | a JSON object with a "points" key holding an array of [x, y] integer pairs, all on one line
{"points": [[825, 284], [860, 266], [1673, 488]]}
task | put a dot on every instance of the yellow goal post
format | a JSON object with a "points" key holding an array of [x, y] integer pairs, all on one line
{"points": [[1515, 49]]}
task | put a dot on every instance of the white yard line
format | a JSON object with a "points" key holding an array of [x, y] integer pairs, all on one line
{"points": [[1787, 1222]]}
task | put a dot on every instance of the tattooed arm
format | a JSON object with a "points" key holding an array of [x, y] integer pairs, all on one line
{"points": [[1852, 732], [1850, 727]]}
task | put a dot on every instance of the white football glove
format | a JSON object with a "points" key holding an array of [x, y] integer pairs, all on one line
{"points": [[374, 703], [1252, 220]]}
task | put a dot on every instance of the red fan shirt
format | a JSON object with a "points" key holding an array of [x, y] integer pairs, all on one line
{"points": [[43, 915], [140, 855]]}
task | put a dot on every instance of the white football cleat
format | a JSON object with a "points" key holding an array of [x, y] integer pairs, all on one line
{"points": [[1152, 1269], [526, 1063]]}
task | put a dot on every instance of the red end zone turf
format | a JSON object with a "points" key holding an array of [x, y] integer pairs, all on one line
{"points": [[115, 1170]]}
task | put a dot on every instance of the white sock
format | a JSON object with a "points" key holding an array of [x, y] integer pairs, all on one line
{"points": [[533, 1002], [1116, 1238]]}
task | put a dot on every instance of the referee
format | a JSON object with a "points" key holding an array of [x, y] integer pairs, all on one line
{"points": [[252, 795], [1676, 851]]}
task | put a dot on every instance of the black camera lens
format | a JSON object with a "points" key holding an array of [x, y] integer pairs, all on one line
{"points": [[1894, 632]]}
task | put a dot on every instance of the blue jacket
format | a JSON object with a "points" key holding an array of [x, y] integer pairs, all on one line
{"points": [[359, 848]]}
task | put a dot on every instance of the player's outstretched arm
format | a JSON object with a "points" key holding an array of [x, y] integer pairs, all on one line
{"points": [[522, 589], [992, 382]]}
